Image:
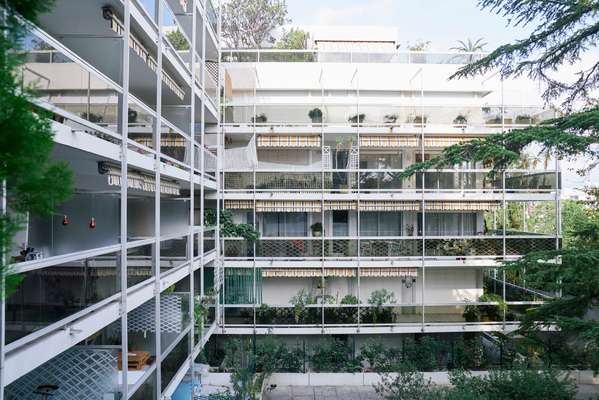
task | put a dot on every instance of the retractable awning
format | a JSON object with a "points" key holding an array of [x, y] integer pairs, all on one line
{"points": [[310, 206], [445, 141], [388, 141], [138, 180], [288, 141]]}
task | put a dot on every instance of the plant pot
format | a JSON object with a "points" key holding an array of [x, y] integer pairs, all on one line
{"points": [[316, 233]]}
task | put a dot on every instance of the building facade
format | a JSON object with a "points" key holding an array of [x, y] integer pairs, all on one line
{"points": [[128, 265], [316, 142]]}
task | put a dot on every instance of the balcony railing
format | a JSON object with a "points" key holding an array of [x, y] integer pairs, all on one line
{"points": [[388, 247], [389, 180], [398, 57], [391, 118], [338, 315]]}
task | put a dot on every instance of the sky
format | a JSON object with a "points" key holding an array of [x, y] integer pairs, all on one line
{"points": [[443, 22]]}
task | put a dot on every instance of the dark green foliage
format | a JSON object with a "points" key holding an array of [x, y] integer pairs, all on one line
{"points": [[565, 137], [178, 40], [334, 355], [35, 184], [512, 384], [562, 32], [228, 228]]}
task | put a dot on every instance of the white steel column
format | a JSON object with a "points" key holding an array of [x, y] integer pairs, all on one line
{"points": [[157, 200], [124, 129]]}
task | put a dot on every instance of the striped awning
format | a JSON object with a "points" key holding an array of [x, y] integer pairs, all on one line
{"points": [[388, 141], [310, 206], [313, 206], [391, 205], [288, 141], [144, 54], [445, 141], [239, 204], [462, 205], [340, 205], [388, 272], [138, 180], [164, 142], [308, 272]]}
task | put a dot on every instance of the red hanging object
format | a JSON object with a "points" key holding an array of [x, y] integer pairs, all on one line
{"points": [[92, 223], [65, 220]]}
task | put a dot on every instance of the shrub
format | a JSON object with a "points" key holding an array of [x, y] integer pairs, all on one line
{"points": [[333, 355]]}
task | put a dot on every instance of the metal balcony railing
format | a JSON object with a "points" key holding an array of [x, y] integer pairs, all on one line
{"points": [[351, 315], [398, 57], [388, 247], [390, 180]]}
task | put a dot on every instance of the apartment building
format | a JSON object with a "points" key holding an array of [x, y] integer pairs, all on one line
{"points": [[128, 265], [315, 144]]}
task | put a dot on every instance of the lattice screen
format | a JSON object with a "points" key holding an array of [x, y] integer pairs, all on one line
{"points": [[81, 373], [171, 315]]}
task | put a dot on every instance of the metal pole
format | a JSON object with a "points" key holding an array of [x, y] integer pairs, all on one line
{"points": [[124, 129], [157, 200]]}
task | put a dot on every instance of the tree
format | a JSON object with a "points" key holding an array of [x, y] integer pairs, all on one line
{"points": [[469, 46], [562, 32], [178, 40], [34, 183], [295, 39], [420, 45], [249, 23]]}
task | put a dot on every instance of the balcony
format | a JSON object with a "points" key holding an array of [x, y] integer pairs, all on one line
{"points": [[376, 248], [388, 180], [387, 118], [397, 57]]}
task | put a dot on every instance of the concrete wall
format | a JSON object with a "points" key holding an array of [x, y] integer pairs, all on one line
{"points": [[366, 378], [442, 285]]}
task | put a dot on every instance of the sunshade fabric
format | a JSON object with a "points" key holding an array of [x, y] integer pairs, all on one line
{"points": [[289, 141], [139, 181], [310, 206], [164, 142], [388, 272], [365, 205], [388, 141], [307, 272], [239, 204], [445, 141], [462, 205], [376, 205]]}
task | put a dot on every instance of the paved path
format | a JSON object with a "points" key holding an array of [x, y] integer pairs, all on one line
{"points": [[322, 393], [585, 392]]}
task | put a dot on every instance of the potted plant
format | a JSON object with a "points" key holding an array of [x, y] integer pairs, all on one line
{"points": [[259, 119], [524, 119], [357, 118], [471, 313], [492, 312], [391, 118], [420, 120], [460, 120], [315, 115], [316, 229]]}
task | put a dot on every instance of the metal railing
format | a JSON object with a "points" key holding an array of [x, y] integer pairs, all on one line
{"points": [[380, 180], [457, 247], [326, 56]]}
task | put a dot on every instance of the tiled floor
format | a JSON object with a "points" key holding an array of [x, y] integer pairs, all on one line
{"points": [[322, 393], [585, 392]]}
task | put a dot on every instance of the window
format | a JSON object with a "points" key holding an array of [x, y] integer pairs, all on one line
{"points": [[378, 223], [448, 224], [340, 223], [285, 224]]}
